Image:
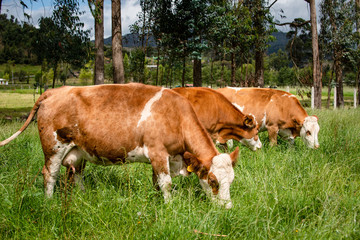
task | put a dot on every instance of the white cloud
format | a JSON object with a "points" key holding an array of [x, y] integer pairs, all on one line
{"points": [[292, 9]]}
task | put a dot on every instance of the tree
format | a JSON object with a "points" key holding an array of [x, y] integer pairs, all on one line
{"points": [[97, 10], [118, 64], [336, 33], [142, 27], [299, 46], [61, 38], [316, 60], [263, 26], [180, 27]]}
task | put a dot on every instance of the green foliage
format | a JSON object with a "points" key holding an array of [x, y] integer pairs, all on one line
{"points": [[86, 74], [61, 38], [286, 77], [6, 76], [299, 46], [283, 192], [16, 41]]}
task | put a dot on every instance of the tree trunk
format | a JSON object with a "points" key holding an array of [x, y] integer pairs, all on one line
{"points": [[118, 64], [183, 71], [55, 73], [211, 71], [338, 75], [316, 60], [337, 55], [357, 8], [99, 43], [197, 73], [246, 73], [222, 69], [157, 65], [233, 68], [259, 67], [329, 87]]}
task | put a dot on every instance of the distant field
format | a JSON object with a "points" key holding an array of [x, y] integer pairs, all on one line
{"points": [[15, 103], [283, 192]]}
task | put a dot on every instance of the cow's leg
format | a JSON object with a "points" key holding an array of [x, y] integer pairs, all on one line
{"points": [[273, 132], [161, 173], [50, 173]]}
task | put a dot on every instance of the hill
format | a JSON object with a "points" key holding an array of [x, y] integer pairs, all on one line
{"points": [[132, 40]]}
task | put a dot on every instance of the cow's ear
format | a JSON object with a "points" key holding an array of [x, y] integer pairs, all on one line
{"points": [[234, 156], [249, 121], [192, 162]]}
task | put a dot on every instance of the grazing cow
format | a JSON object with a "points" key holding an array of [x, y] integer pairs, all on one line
{"points": [[113, 124], [278, 112], [220, 118]]}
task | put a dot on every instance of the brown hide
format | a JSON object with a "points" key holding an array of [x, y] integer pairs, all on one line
{"points": [[280, 109], [103, 121], [219, 117]]}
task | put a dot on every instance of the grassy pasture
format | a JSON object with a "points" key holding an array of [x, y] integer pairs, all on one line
{"points": [[284, 192]]}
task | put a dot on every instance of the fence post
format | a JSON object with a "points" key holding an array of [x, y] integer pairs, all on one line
{"points": [[355, 98], [288, 89], [335, 98], [312, 98]]}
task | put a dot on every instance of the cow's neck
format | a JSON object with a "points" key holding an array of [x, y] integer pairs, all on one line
{"points": [[199, 143], [227, 116]]}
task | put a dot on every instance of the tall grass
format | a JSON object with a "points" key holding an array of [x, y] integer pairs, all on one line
{"points": [[283, 192]]}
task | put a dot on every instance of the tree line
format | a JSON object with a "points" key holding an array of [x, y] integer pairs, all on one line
{"points": [[214, 36]]}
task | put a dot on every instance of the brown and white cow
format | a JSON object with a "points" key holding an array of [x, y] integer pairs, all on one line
{"points": [[112, 124], [220, 118], [277, 111]]}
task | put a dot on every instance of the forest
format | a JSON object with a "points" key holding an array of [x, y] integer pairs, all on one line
{"points": [[204, 43]]}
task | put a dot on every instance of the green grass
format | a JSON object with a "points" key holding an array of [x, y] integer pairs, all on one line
{"points": [[15, 105], [283, 192]]}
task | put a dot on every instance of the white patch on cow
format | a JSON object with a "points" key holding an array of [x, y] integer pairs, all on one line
{"points": [[287, 135], [164, 181], [177, 166], [236, 89], [271, 100], [139, 154], [309, 132], [146, 112], [10, 138], [61, 149], [288, 95], [263, 123], [239, 107], [223, 170], [251, 143]]}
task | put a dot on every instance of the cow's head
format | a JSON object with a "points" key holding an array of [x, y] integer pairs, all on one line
{"points": [[215, 181], [309, 132], [251, 138]]}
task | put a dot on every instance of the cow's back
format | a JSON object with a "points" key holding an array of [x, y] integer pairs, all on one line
{"points": [[266, 105], [109, 120]]}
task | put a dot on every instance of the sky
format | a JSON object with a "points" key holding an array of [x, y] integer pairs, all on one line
{"points": [[130, 8]]}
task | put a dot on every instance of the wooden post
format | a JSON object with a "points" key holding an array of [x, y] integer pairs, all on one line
{"points": [[312, 97], [355, 98], [288, 89], [335, 97]]}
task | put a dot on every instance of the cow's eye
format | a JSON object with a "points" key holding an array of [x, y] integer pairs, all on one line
{"points": [[308, 133]]}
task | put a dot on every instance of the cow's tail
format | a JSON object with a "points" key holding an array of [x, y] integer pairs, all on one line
{"points": [[28, 120]]}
